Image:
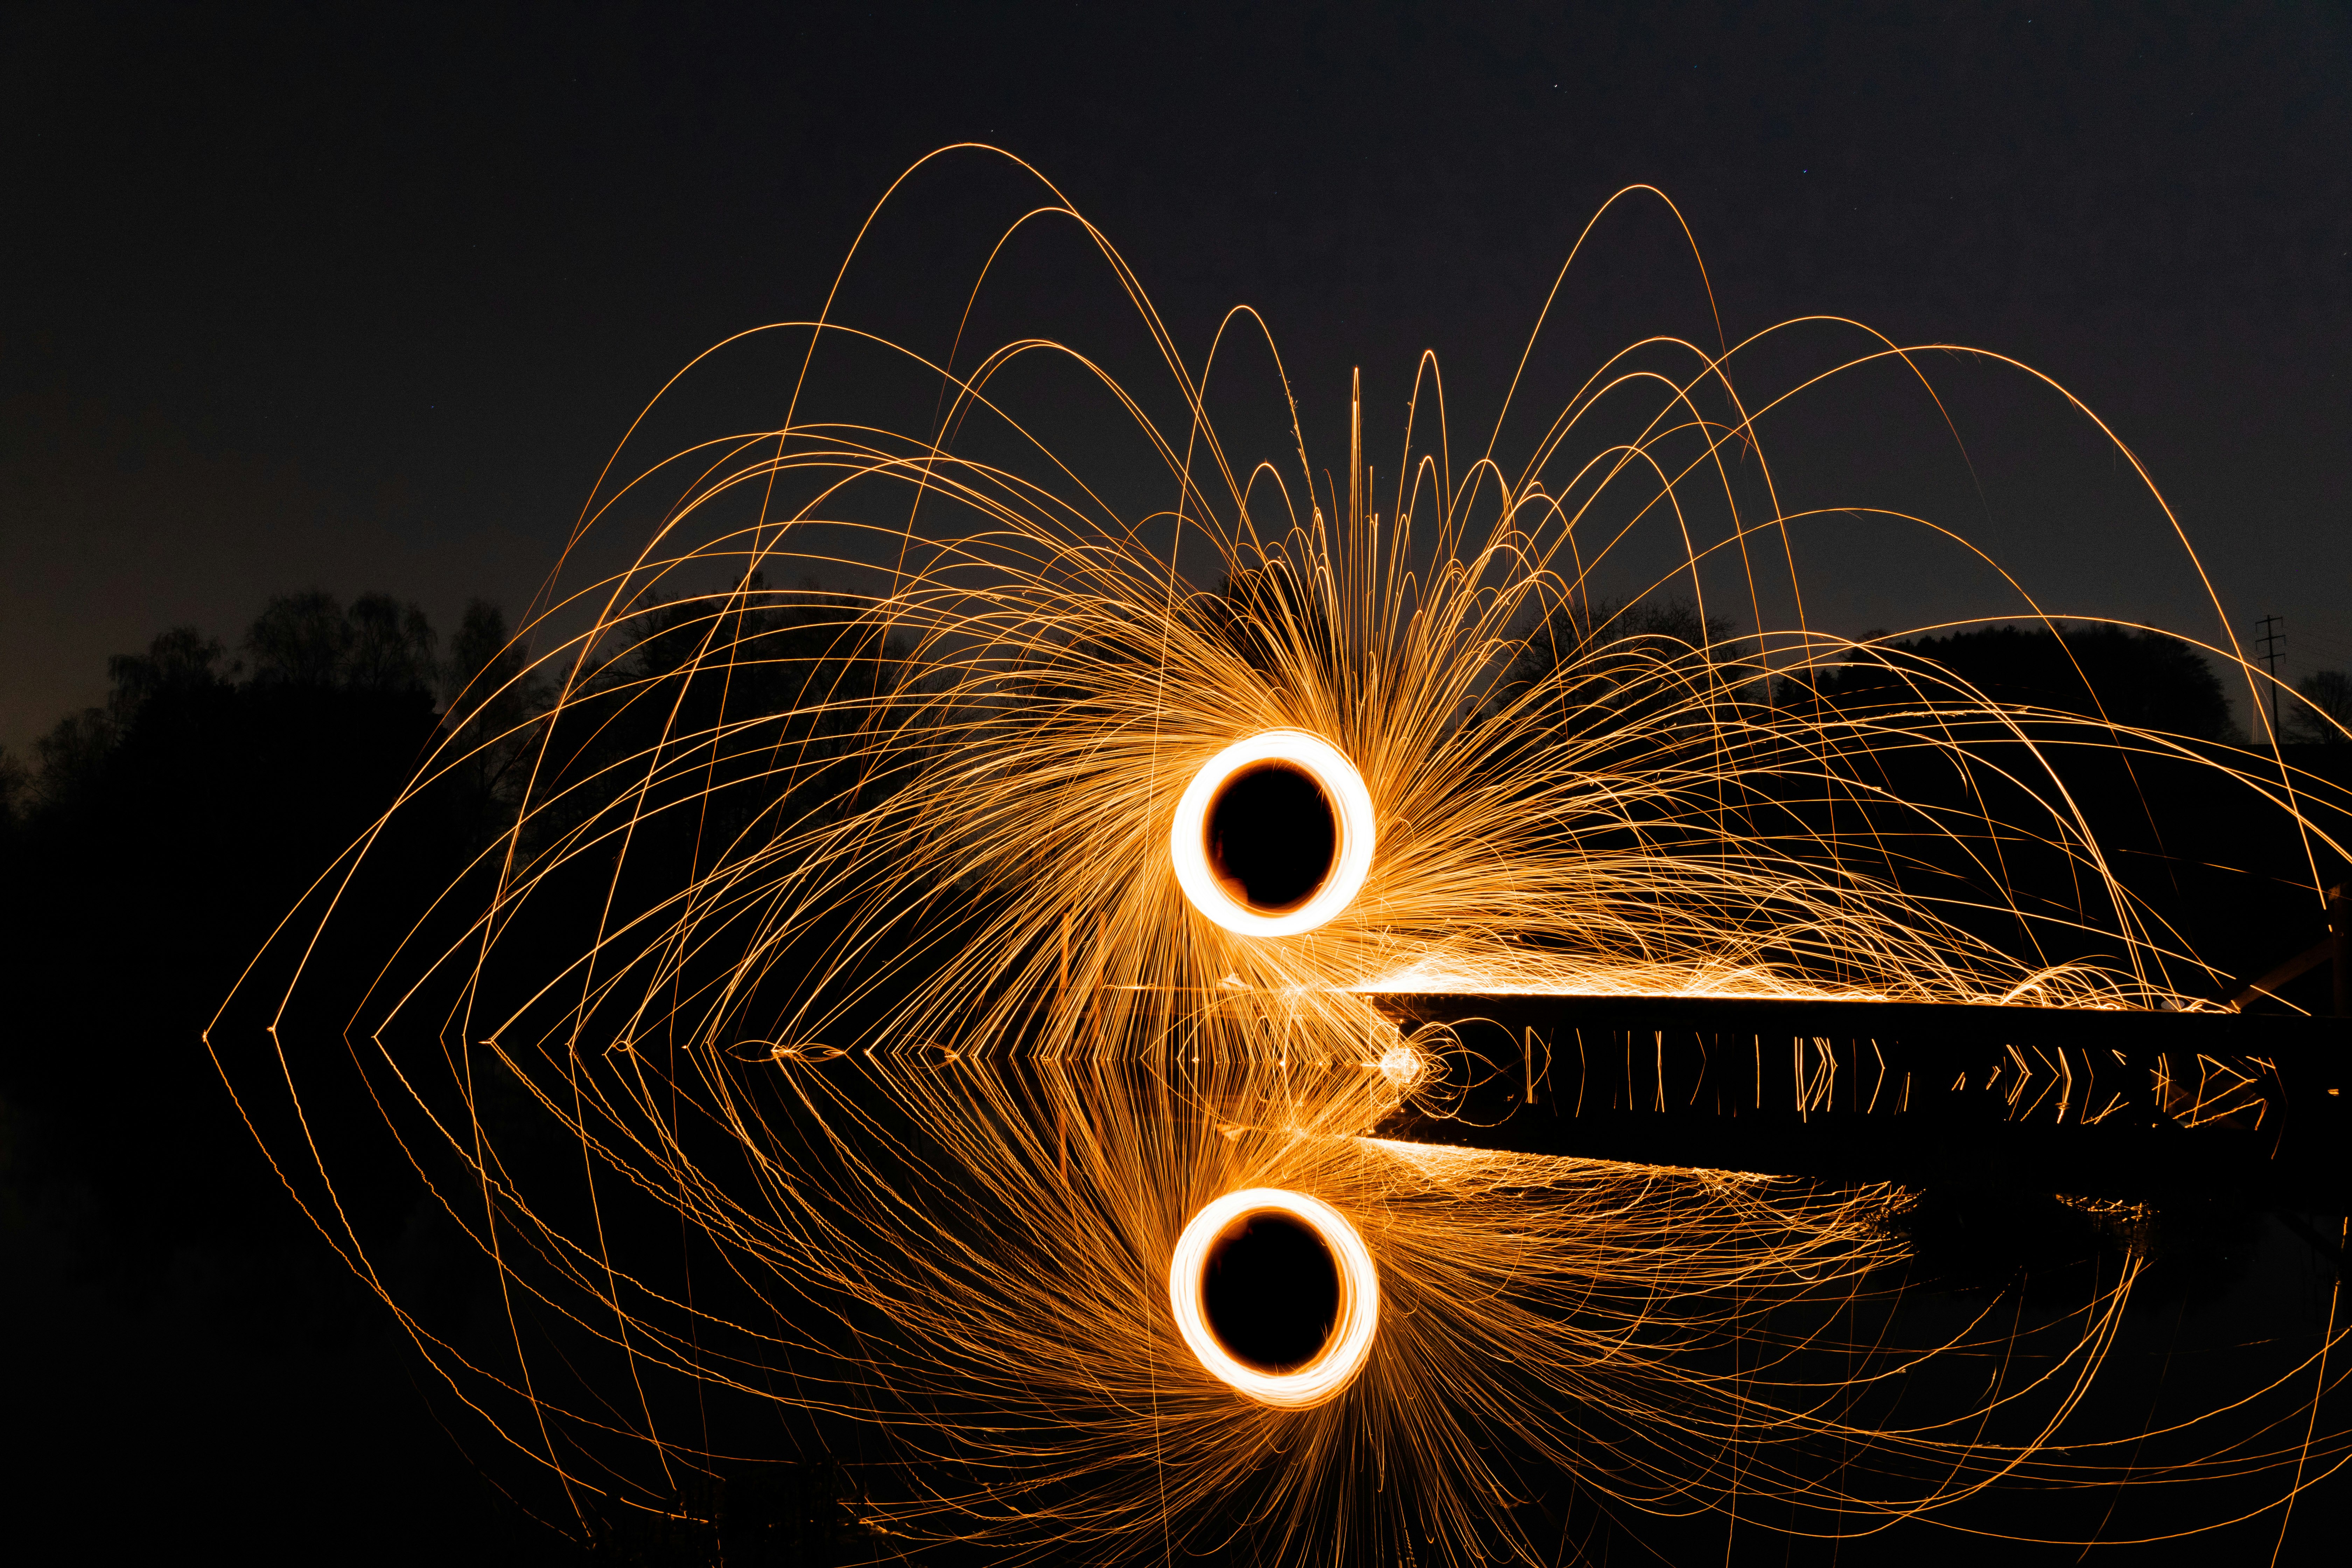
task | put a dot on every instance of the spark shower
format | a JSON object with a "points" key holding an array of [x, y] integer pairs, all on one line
{"points": [[921, 1008]]}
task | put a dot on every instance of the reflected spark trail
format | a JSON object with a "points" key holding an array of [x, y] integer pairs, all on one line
{"points": [[836, 928]]}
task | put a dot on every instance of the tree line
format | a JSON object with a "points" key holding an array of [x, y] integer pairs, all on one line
{"points": [[2141, 679]]}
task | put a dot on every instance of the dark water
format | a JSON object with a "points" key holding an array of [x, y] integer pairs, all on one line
{"points": [[254, 1395]]}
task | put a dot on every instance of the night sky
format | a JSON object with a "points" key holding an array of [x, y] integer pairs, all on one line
{"points": [[317, 298], [305, 298]]}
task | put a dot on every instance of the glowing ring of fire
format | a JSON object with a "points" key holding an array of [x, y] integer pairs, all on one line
{"points": [[1350, 1340], [1351, 856]]}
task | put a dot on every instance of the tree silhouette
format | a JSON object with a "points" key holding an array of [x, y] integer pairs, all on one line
{"points": [[2325, 713], [1619, 681], [493, 697], [178, 1290], [72, 755], [181, 659], [2140, 680], [16, 789], [309, 639]]}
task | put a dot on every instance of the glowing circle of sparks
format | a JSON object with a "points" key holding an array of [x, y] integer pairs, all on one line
{"points": [[1351, 858], [1345, 1348]]}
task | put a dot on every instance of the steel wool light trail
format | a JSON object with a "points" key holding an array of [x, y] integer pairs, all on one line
{"points": [[923, 971]]}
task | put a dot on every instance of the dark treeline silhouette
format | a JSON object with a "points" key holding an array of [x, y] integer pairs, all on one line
{"points": [[1646, 685], [2139, 679], [189, 1347], [2230, 875], [1607, 668], [2325, 714], [190, 1351]]}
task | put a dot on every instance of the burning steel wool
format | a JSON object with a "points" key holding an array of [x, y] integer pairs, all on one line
{"points": [[922, 1008]]}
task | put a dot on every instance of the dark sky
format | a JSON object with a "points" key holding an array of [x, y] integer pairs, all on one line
{"points": [[317, 297]]}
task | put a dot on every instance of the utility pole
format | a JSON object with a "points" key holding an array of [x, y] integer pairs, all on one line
{"points": [[2273, 640]]}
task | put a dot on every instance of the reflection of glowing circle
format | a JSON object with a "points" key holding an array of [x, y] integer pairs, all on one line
{"points": [[1356, 1311], [1271, 771]]}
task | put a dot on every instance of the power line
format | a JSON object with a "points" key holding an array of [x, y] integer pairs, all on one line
{"points": [[2271, 640]]}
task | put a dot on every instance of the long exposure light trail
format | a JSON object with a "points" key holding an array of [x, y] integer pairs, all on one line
{"points": [[868, 1024]]}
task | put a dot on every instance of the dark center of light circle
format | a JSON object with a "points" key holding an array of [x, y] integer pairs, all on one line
{"points": [[1270, 1291], [1271, 836]]}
